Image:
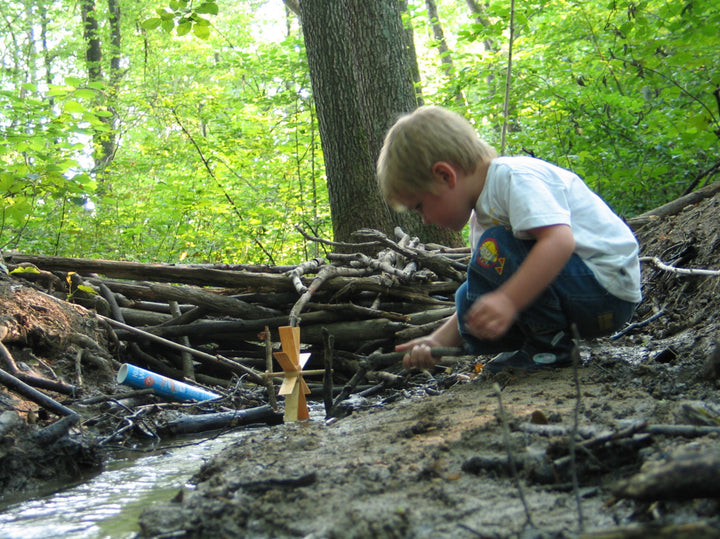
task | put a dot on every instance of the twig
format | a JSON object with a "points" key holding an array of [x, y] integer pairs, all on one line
{"points": [[329, 345], [269, 368], [336, 243], [325, 274], [378, 360], [680, 271], [348, 388], [234, 366], [636, 325], [575, 353], [511, 460]]}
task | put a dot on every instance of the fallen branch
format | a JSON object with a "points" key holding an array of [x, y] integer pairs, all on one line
{"points": [[255, 376], [675, 206], [681, 271], [201, 423], [33, 394]]}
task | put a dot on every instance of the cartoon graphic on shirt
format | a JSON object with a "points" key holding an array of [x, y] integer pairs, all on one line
{"points": [[488, 256]]}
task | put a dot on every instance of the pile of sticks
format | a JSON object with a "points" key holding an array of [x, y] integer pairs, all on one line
{"points": [[206, 322]]}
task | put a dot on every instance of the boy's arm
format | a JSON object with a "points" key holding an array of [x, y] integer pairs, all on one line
{"points": [[493, 314], [419, 349]]}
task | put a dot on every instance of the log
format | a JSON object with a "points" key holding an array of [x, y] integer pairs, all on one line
{"points": [[203, 356], [57, 430], [675, 206], [188, 424], [187, 274]]}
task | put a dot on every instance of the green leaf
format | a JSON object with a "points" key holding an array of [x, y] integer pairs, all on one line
{"points": [[166, 14], [177, 5], [152, 23], [74, 81], [184, 28], [85, 92], [87, 289], [73, 107], [209, 8], [202, 30]]}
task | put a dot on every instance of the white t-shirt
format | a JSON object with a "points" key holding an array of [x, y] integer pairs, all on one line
{"points": [[525, 193]]}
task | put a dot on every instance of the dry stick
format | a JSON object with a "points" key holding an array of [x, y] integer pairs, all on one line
{"points": [[255, 376], [681, 271], [268, 368], [511, 460], [636, 325], [335, 243], [379, 360], [78, 368], [325, 274], [329, 344], [187, 363], [348, 388], [575, 353], [436, 262]]}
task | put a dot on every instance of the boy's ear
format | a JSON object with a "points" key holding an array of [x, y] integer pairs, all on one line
{"points": [[444, 171]]}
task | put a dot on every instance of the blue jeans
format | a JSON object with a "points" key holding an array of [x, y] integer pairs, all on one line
{"points": [[575, 297]]}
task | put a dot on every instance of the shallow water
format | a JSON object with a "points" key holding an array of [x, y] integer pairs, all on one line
{"points": [[108, 505]]}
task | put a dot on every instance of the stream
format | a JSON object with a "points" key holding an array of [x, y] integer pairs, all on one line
{"points": [[109, 504]]}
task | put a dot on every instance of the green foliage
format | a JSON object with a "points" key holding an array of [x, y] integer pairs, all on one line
{"points": [[41, 150], [621, 92], [219, 158], [183, 17]]}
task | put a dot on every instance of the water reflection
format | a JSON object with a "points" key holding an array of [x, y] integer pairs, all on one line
{"points": [[109, 504]]}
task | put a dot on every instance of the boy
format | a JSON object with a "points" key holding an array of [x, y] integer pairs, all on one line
{"points": [[548, 252]]}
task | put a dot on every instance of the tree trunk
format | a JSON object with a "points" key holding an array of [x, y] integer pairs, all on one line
{"points": [[105, 142], [91, 34], [362, 80]]}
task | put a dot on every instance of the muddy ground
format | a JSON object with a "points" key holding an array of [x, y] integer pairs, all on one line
{"points": [[455, 453]]}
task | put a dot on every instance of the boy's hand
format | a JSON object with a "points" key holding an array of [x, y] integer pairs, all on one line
{"points": [[490, 316], [419, 352]]}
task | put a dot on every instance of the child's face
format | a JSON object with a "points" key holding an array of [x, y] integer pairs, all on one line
{"points": [[442, 207]]}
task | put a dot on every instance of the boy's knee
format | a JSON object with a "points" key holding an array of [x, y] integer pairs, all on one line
{"points": [[497, 255]]}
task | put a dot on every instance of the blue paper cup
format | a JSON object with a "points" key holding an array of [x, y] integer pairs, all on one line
{"points": [[140, 378]]}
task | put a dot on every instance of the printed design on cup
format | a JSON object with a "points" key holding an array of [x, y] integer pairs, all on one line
{"points": [[169, 384], [488, 256], [149, 381]]}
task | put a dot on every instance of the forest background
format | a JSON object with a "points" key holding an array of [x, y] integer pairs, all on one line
{"points": [[181, 132]]}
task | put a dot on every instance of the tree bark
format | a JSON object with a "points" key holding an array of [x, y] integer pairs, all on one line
{"points": [[362, 80]]}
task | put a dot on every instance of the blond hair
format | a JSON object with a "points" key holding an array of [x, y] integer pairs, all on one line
{"points": [[419, 140]]}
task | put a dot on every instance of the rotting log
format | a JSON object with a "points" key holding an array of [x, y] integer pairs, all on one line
{"points": [[685, 475]]}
